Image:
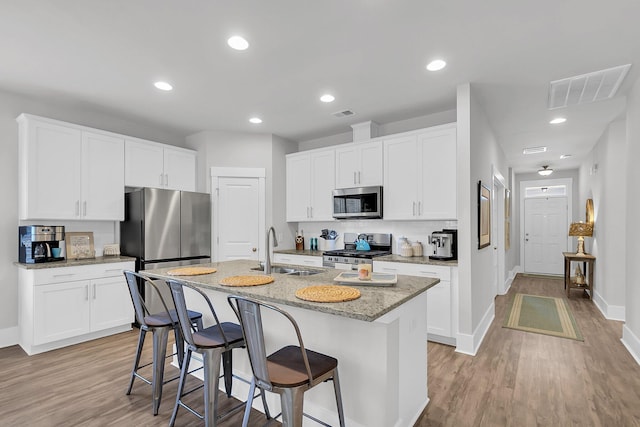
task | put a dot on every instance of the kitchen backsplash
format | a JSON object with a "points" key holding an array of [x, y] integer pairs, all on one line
{"points": [[412, 230]]}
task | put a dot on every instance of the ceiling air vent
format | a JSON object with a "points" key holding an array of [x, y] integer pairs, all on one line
{"points": [[345, 113], [586, 88]]}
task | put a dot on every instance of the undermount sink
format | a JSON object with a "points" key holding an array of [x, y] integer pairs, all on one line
{"points": [[288, 270]]}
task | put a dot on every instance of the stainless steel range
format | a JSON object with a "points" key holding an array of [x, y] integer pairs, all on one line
{"points": [[349, 258]]}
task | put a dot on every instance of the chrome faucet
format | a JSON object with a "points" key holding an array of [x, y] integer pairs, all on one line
{"points": [[267, 258]]}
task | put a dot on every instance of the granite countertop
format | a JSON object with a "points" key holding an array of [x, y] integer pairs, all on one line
{"points": [[374, 301], [388, 258], [416, 260], [76, 262], [305, 252]]}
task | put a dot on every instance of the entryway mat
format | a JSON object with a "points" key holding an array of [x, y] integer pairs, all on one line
{"points": [[542, 315]]}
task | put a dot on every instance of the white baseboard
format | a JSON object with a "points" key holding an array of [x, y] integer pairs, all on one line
{"points": [[611, 312], [631, 342], [509, 281], [469, 344], [9, 336]]}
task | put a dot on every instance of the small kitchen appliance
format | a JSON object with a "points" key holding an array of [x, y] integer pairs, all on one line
{"points": [[357, 203], [355, 250], [444, 245], [36, 242]]}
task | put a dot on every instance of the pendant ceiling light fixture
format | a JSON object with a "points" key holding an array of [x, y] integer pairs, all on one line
{"points": [[545, 171]]}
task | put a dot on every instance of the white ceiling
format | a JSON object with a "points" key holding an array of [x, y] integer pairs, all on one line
{"points": [[371, 54]]}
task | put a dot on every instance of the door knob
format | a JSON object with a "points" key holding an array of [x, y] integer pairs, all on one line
{"points": [[253, 249]]}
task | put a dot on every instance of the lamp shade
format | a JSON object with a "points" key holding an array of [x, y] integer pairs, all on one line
{"points": [[581, 229]]}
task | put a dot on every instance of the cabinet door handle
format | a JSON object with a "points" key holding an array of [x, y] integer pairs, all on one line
{"points": [[359, 181], [84, 208], [161, 179], [354, 177], [166, 179], [311, 212], [414, 209], [114, 270], [392, 270], [77, 207], [419, 208], [64, 275], [86, 296], [94, 291]]}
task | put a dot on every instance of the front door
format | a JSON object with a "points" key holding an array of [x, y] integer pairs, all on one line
{"points": [[237, 217], [545, 234]]}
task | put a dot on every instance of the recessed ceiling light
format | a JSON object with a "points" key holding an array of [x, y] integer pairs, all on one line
{"points": [[327, 98], [435, 65], [558, 120], [565, 156], [534, 150], [163, 86], [238, 43], [255, 120], [545, 171]]}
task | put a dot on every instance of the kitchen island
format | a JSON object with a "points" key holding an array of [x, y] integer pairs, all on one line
{"points": [[379, 340]]}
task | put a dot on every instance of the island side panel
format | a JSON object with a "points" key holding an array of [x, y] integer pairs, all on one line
{"points": [[378, 384]]}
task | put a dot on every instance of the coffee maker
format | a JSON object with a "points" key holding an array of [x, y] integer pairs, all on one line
{"points": [[37, 241], [444, 244]]}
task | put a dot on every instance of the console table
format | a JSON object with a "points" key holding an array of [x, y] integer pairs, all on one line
{"points": [[588, 265]]}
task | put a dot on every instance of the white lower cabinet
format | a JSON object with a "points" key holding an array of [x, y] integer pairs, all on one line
{"points": [[67, 305], [306, 260], [442, 305]]}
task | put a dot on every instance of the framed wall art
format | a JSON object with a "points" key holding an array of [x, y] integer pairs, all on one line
{"points": [[79, 245], [507, 219], [484, 216]]}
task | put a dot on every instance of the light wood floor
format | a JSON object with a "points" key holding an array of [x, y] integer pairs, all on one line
{"points": [[516, 379], [525, 379], [85, 385]]}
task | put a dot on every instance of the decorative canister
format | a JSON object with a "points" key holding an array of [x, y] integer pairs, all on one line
{"points": [[401, 241], [416, 248], [406, 250]]}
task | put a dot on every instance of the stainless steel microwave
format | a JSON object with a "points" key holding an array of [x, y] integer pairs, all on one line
{"points": [[359, 202]]}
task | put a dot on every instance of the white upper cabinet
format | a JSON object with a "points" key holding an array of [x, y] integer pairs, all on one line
{"points": [[102, 177], [359, 165], [420, 174], [149, 164], [68, 173], [310, 185]]}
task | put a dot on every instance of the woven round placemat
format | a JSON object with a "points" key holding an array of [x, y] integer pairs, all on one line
{"points": [[328, 293], [255, 280], [191, 271]]}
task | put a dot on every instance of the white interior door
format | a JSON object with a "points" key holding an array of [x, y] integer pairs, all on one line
{"points": [[238, 219], [545, 234]]}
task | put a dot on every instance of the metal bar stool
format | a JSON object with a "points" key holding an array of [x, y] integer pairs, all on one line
{"points": [[290, 371], [214, 343], [159, 323]]}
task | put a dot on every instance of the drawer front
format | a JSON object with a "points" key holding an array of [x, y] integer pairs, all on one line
{"points": [[306, 260], [83, 272], [421, 270]]}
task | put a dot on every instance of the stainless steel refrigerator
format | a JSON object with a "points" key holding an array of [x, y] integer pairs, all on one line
{"points": [[166, 228]]}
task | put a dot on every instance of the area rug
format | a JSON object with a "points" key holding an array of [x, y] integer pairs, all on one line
{"points": [[542, 315]]}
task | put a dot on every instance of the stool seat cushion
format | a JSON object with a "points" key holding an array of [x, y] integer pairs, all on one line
{"points": [[286, 366], [211, 338], [162, 319]]}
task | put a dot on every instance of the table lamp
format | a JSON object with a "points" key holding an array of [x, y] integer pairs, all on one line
{"points": [[581, 230]]}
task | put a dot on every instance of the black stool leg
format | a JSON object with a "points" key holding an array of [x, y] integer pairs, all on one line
{"points": [[227, 366]]}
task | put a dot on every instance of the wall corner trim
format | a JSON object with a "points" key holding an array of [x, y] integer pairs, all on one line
{"points": [[631, 342], [469, 344]]}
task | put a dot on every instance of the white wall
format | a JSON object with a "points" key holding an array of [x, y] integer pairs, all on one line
{"points": [[478, 153], [251, 150], [399, 126], [607, 186], [11, 106], [631, 329]]}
